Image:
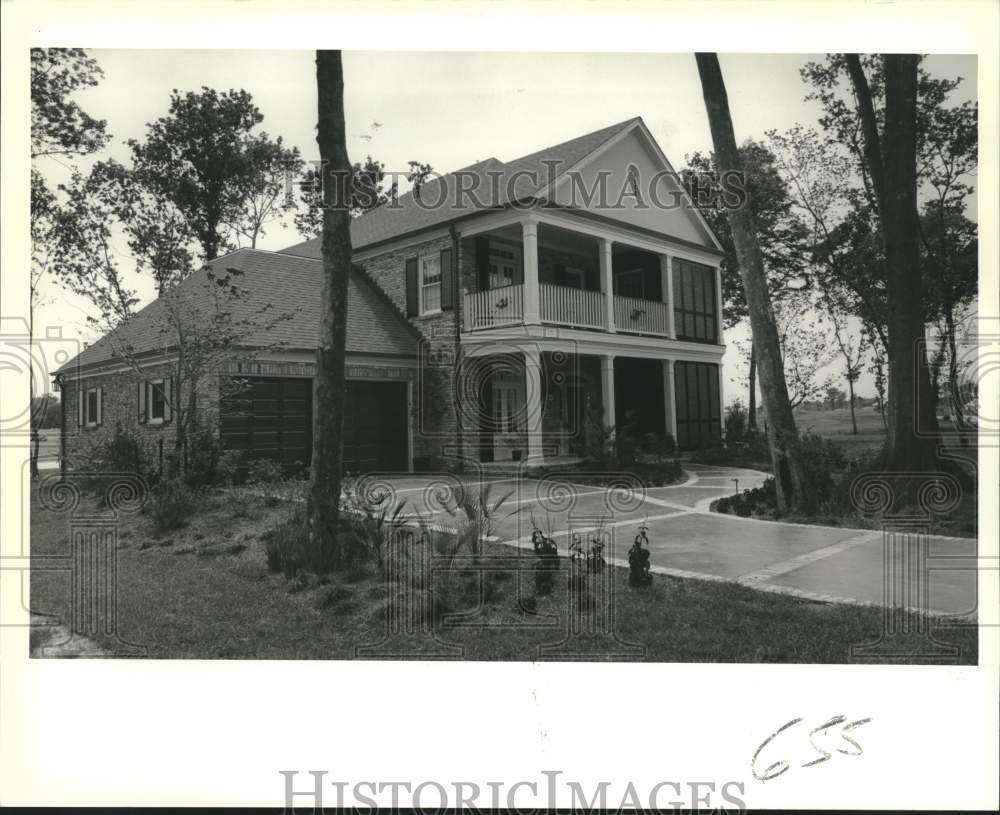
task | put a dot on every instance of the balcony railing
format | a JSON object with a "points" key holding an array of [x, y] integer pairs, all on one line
{"points": [[564, 305], [578, 308], [641, 316], [494, 308]]}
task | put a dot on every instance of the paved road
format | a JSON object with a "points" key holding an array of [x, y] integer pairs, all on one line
{"points": [[686, 539]]}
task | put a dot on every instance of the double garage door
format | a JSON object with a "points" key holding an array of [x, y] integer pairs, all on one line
{"points": [[271, 418]]}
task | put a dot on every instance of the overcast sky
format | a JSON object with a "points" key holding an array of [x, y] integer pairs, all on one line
{"points": [[452, 109]]}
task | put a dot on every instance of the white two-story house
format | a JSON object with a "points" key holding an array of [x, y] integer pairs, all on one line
{"points": [[505, 312]]}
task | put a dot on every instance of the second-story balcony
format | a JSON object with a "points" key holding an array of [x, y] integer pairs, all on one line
{"points": [[560, 278]]}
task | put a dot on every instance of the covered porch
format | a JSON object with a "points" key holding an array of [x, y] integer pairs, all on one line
{"points": [[530, 272], [536, 406]]}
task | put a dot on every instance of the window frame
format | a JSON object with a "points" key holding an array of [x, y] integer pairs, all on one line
{"points": [[517, 271], [151, 387], [688, 285], [90, 419], [421, 300]]}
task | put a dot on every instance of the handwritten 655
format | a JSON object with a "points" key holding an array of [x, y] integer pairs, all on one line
{"points": [[835, 734]]}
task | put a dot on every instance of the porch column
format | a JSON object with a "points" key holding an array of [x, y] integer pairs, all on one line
{"points": [[667, 286], [718, 306], [533, 405], [669, 399], [532, 304], [608, 389], [607, 282]]}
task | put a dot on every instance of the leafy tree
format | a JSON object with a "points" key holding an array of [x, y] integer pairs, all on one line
{"points": [[60, 130], [781, 233], [783, 438], [903, 139], [205, 158], [805, 347]]}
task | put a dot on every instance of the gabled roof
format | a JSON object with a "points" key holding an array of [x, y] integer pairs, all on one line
{"points": [[281, 309], [496, 184]]}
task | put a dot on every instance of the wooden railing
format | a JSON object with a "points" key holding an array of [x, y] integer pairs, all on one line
{"points": [[641, 316], [564, 305], [574, 307], [494, 307]]}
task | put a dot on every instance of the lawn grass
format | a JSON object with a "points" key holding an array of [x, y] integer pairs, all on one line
{"points": [[204, 592]]}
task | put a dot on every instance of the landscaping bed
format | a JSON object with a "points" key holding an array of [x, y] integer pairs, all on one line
{"points": [[203, 590]]}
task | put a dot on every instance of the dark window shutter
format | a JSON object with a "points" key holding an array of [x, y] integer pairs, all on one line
{"points": [[81, 399], [142, 402], [100, 406], [447, 281], [412, 307], [482, 263], [168, 395]]}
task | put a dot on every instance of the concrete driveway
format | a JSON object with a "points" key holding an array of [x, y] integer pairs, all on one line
{"points": [[826, 564]]}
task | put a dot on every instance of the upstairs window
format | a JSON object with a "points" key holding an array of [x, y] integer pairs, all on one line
{"points": [[695, 306], [505, 265], [430, 284]]}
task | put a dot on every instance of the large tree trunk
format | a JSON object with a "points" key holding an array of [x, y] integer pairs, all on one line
{"points": [[323, 507], [752, 400], [783, 437], [893, 167]]}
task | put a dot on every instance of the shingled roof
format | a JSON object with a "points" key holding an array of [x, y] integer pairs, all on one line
{"points": [[496, 184], [281, 308]]}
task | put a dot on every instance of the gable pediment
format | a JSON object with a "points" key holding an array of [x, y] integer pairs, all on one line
{"points": [[630, 181]]}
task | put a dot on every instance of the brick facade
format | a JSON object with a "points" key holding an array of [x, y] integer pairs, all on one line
{"points": [[120, 409], [439, 433]]}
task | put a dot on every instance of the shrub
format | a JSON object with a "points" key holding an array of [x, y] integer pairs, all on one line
{"points": [[208, 463], [119, 453], [172, 504], [264, 471], [372, 519], [821, 460], [285, 546], [548, 561], [737, 422]]}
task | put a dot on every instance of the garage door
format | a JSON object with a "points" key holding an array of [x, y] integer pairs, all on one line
{"points": [[375, 427], [271, 417]]}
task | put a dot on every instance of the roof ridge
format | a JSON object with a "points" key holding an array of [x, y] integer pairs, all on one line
{"points": [[617, 128]]}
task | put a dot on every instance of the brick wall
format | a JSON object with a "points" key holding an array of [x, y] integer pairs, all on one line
{"points": [[121, 410], [436, 422]]}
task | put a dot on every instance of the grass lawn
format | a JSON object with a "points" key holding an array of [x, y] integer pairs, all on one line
{"points": [[204, 592]]}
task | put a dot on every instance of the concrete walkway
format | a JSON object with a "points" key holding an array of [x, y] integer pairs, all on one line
{"points": [[826, 564]]}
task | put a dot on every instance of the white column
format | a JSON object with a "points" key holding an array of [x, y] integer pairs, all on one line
{"points": [[608, 389], [718, 312], [667, 285], [533, 402], [669, 399], [532, 300], [607, 282]]}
